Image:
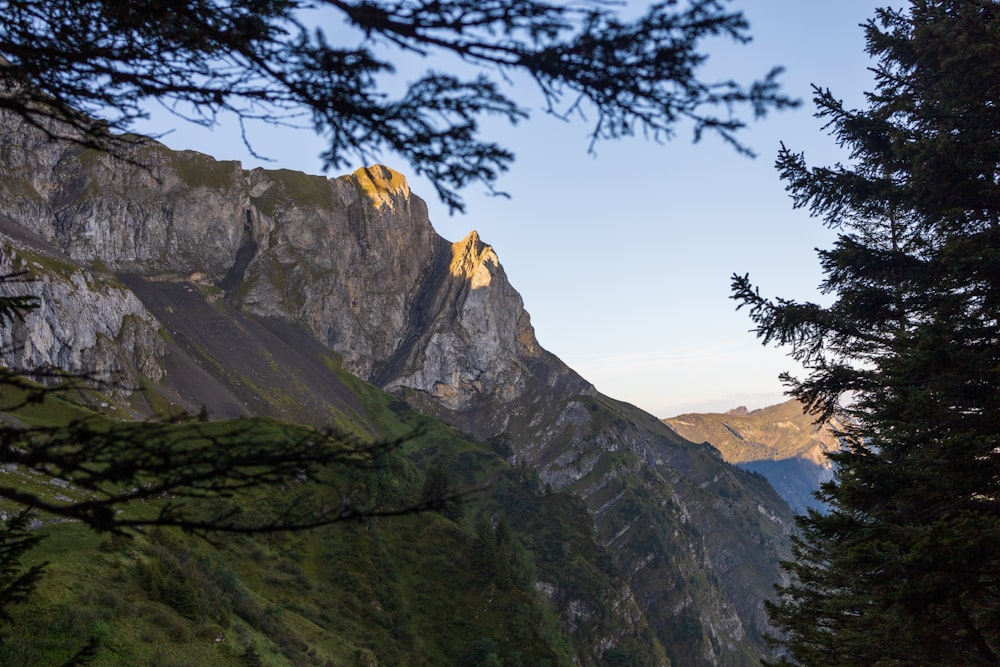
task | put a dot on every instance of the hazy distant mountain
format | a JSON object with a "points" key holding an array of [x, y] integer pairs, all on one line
{"points": [[277, 294], [780, 442]]}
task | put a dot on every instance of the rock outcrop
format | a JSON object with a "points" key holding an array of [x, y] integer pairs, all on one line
{"points": [[83, 322]]}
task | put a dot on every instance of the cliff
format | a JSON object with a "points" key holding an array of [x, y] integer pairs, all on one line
{"points": [[213, 285]]}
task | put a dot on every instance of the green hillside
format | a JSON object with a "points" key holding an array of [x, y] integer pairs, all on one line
{"points": [[456, 587]]}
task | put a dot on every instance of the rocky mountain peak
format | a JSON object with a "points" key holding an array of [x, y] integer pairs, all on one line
{"points": [[474, 261], [384, 186]]}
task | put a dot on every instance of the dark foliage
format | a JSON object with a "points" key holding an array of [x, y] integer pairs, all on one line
{"points": [[438, 485], [262, 60], [173, 474], [16, 580], [904, 568]]}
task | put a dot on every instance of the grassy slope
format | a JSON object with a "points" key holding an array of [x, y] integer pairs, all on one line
{"points": [[407, 591]]}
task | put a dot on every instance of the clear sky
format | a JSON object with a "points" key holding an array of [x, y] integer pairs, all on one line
{"points": [[624, 258]]}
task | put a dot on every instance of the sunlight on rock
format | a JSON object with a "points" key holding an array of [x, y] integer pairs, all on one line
{"points": [[381, 184], [474, 261]]}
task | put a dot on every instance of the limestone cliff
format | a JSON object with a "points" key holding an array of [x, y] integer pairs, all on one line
{"points": [[243, 270], [84, 322], [355, 259]]}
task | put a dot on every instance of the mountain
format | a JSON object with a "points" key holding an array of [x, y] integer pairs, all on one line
{"points": [[274, 294], [781, 442]]}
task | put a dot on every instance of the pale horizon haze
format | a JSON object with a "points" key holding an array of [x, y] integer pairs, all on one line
{"points": [[624, 258]]}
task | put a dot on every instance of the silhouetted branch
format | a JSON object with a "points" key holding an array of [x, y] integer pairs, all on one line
{"points": [[70, 61]]}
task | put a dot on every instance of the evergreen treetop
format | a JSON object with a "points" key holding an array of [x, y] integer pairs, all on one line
{"points": [[904, 568]]}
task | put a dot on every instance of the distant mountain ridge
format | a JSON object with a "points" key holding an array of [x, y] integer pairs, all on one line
{"points": [[275, 293], [780, 442]]}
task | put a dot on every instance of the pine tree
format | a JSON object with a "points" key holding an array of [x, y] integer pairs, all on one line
{"points": [[904, 568]]}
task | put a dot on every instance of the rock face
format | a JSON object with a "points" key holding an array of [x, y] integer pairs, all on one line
{"points": [[84, 322], [353, 268], [780, 442]]}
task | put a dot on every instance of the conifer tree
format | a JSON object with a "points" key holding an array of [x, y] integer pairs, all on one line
{"points": [[904, 567]]}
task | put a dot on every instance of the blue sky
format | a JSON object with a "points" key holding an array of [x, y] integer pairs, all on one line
{"points": [[624, 258]]}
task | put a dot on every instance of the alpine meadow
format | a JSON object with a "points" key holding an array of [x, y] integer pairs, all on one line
{"points": [[255, 417]]}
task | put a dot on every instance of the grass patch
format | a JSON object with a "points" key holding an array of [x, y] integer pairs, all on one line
{"points": [[294, 188], [203, 171]]}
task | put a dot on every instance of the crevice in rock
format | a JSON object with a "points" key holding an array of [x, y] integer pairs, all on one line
{"points": [[247, 251], [419, 316]]}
